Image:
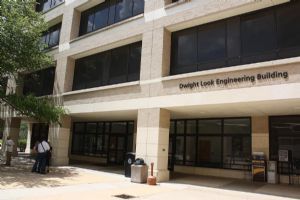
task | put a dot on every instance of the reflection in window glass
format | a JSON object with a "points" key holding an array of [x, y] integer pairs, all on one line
{"points": [[118, 68], [109, 12], [213, 126], [288, 26], [285, 135], [89, 138], [123, 9], [39, 83], [191, 126], [209, 145], [258, 33], [190, 155], [180, 127], [179, 153], [209, 151], [110, 67], [237, 152], [264, 35], [211, 41], [101, 17], [138, 7], [91, 127], [184, 51], [51, 37], [237, 126], [119, 127]]}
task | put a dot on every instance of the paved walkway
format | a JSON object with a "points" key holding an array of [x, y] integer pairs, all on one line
{"points": [[74, 183]]}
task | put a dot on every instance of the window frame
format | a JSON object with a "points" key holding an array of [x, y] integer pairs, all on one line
{"points": [[221, 136]]}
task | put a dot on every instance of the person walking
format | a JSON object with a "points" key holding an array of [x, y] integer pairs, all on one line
{"points": [[9, 150], [42, 149]]}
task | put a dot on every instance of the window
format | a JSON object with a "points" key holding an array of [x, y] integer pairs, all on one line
{"points": [[39, 83], [92, 138], [109, 12], [45, 5], [264, 35], [219, 143], [288, 29], [111, 67], [258, 37], [211, 46], [184, 51], [285, 135], [51, 37]]}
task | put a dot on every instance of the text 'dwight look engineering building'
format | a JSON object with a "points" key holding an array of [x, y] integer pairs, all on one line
{"points": [[193, 86]]}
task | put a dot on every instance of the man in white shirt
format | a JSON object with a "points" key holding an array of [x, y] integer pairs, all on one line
{"points": [[9, 150], [42, 148]]}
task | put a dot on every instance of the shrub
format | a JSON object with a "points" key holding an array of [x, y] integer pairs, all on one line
{"points": [[22, 144]]}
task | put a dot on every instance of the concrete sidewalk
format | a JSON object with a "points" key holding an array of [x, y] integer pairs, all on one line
{"points": [[74, 183]]}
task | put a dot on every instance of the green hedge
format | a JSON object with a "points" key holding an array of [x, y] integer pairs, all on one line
{"points": [[22, 144]]}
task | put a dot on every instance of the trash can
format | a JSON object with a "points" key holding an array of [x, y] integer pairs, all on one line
{"points": [[129, 160], [139, 171]]}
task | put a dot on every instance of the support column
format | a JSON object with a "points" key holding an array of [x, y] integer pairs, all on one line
{"points": [[153, 140], [12, 129], [59, 137], [29, 133], [260, 134], [64, 75]]}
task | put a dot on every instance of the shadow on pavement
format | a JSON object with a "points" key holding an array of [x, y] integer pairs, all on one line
{"points": [[282, 190], [20, 175]]}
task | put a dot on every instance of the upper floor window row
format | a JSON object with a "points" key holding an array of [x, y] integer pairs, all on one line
{"points": [[39, 83], [51, 37], [264, 35], [108, 13], [44, 5], [110, 67]]}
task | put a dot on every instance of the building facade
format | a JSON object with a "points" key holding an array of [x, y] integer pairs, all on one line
{"points": [[193, 86]]}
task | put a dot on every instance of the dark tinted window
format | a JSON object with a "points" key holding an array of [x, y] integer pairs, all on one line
{"points": [[51, 37], [44, 5], [90, 139], [118, 68], [123, 9], [109, 12], [39, 83], [258, 36], [211, 45], [101, 16], [221, 143], [285, 135], [115, 66], [134, 63], [288, 30], [138, 7], [184, 51], [264, 35]]}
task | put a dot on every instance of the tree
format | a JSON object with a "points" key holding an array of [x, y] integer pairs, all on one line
{"points": [[21, 51]]}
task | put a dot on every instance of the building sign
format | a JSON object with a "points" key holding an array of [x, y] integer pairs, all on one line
{"points": [[235, 80], [283, 155]]}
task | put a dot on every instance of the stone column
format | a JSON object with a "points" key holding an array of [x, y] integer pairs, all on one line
{"points": [[260, 134], [29, 132], [64, 75], [59, 137], [153, 140], [12, 129], [156, 52]]}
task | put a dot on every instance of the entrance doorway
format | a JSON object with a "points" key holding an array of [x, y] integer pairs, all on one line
{"points": [[116, 149]]}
